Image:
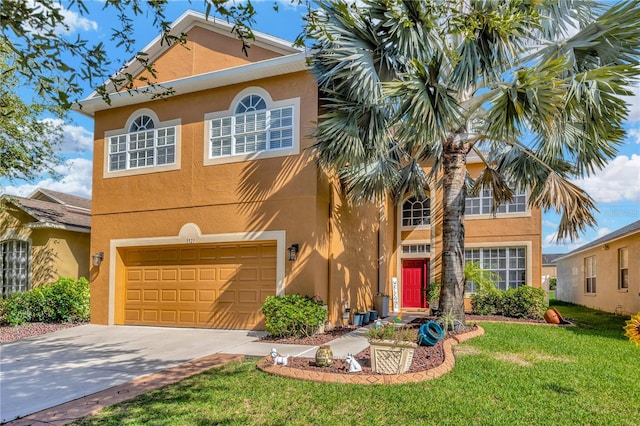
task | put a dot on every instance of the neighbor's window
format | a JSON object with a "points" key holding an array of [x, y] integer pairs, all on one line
{"points": [[509, 263], [416, 212], [14, 266], [144, 146], [590, 275], [253, 128], [482, 203], [623, 268]]}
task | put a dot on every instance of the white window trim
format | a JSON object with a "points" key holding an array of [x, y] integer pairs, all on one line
{"points": [[594, 265], [526, 213], [190, 234], [106, 174], [427, 255], [620, 268], [271, 104], [528, 245], [410, 227]]}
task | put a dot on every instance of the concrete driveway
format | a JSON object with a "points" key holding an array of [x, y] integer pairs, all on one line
{"points": [[48, 370]]}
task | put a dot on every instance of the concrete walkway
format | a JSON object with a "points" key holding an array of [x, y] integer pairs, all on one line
{"points": [[63, 376], [48, 370]]}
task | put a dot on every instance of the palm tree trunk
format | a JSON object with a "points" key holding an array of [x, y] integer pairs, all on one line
{"points": [[454, 173]]}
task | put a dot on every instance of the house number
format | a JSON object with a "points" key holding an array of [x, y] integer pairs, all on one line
{"points": [[191, 240]]}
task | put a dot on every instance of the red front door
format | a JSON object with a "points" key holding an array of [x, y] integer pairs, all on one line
{"points": [[414, 282]]}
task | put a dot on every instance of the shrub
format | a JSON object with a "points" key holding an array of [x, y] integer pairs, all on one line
{"points": [[293, 315], [63, 301], [524, 302], [487, 302], [553, 283]]}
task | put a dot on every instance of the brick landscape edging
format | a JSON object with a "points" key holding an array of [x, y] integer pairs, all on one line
{"points": [[266, 365]]}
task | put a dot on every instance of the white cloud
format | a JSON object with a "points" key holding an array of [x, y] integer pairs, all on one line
{"points": [[77, 22], [76, 179], [634, 104], [618, 181], [74, 21], [76, 139], [634, 134]]}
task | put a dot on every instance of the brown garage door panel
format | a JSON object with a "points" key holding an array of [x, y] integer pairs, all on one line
{"points": [[209, 285]]}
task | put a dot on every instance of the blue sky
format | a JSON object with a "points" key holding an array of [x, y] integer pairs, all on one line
{"points": [[616, 188]]}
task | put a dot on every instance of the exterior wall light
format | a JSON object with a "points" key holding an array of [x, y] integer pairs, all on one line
{"points": [[96, 258], [293, 252]]}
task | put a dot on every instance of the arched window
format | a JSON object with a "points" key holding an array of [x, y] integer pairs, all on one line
{"points": [[416, 212], [255, 126], [251, 103], [143, 146], [15, 259], [142, 122]]}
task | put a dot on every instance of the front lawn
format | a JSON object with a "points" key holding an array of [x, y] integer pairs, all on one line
{"points": [[515, 374]]}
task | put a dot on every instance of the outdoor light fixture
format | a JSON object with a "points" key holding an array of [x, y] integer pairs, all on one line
{"points": [[96, 258], [293, 252]]}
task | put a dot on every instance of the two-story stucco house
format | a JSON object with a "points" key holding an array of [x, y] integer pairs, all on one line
{"points": [[202, 200]]}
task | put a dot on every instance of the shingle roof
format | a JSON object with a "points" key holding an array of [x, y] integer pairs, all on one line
{"points": [[62, 198], [64, 210], [550, 259], [625, 230]]}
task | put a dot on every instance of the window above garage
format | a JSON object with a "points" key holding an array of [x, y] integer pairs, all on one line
{"points": [[254, 127], [145, 145]]}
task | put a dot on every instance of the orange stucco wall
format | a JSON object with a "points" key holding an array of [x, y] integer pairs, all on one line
{"points": [[204, 51], [281, 193]]}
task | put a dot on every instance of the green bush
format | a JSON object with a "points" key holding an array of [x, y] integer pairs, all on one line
{"points": [[293, 315], [524, 302], [487, 302], [553, 283], [63, 301]]}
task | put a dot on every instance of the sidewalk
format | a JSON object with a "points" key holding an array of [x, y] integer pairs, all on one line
{"points": [[68, 412]]}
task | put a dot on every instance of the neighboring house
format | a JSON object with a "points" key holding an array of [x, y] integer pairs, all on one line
{"points": [[549, 267], [604, 274], [201, 200], [43, 237]]}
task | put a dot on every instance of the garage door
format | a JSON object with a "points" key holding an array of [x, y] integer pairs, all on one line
{"points": [[204, 285]]}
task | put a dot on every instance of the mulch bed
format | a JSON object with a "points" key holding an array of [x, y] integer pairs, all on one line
{"points": [[424, 357], [315, 340], [10, 333]]}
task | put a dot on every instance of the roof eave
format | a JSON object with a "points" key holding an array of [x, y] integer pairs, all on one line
{"points": [[240, 74]]}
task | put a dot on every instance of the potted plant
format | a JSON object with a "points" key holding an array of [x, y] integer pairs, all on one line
{"points": [[391, 348], [433, 296]]}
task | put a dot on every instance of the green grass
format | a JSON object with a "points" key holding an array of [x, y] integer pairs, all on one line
{"points": [[515, 374]]}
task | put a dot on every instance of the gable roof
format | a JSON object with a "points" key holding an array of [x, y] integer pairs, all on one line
{"points": [[52, 209], [632, 228], [291, 60], [68, 200], [550, 259]]}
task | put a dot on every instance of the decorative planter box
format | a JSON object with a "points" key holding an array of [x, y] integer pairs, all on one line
{"points": [[391, 357]]}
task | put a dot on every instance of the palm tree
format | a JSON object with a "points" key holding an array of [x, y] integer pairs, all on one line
{"points": [[532, 87]]}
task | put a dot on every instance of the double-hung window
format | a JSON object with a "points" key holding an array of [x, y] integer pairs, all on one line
{"points": [[482, 204], [623, 268], [256, 126], [15, 259], [590, 275], [145, 145]]}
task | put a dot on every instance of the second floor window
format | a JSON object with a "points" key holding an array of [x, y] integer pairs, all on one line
{"points": [[144, 146], [252, 128], [482, 203], [416, 212]]}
